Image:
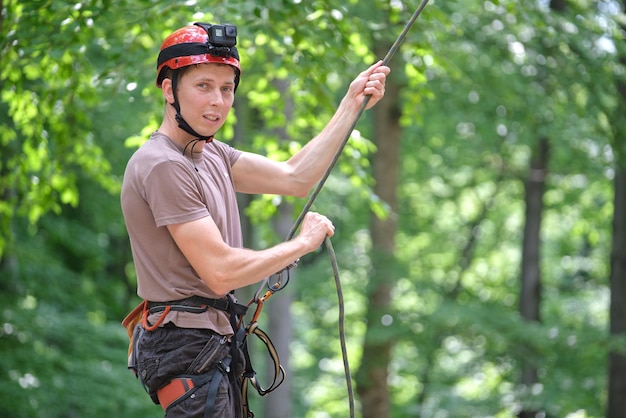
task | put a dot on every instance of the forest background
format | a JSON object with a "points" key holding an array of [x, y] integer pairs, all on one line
{"points": [[479, 207]]}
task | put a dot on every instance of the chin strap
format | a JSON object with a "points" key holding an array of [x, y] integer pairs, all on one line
{"points": [[182, 123]]}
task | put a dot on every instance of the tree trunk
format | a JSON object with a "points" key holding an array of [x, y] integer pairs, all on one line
{"points": [[279, 305], [616, 404], [616, 407], [275, 318], [530, 296], [373, 373], [279, 404]]}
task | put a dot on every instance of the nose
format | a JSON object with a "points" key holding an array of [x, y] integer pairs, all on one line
{"points": [[216, 97]]}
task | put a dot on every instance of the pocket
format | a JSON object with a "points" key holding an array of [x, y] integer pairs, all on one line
{"points": [[147, 375], [147, 369], [213, 351]]}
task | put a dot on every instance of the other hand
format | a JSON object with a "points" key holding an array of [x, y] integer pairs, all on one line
{"points": [[315, 228], [370, 82]]}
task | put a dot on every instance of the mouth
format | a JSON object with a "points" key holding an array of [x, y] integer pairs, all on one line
{"points": [[212, 118]]}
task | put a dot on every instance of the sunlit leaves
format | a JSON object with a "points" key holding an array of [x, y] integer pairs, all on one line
{"points": [[481, 80], [48, 91]]}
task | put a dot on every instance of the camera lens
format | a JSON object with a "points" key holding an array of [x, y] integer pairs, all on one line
{"points": [[231, 31]]}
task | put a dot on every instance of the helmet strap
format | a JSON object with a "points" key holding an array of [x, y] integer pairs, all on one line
{"points": [[182, 123]]}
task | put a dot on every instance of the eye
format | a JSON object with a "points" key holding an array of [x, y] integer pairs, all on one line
{"points": [[227, 89]]}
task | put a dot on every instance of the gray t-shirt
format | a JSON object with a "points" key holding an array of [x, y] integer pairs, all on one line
{"points": [[163, 187]]}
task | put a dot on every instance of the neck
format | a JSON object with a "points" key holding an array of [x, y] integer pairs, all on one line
{"points": [[169, 127]]}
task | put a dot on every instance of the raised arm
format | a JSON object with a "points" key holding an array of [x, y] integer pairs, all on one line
{"points": [[296, 176]]}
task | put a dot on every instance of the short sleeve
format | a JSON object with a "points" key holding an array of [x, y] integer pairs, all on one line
{"points": [[173, 194]]}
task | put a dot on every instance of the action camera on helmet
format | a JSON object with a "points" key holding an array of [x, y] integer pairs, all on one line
{"points": [[223, 35], [221, 38]]}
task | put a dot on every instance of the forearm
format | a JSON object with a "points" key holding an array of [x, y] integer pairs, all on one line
{"points": [[240, 267], [310, 163], [224, 268]]}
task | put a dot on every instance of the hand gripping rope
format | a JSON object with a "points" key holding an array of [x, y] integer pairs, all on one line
{"points": [[278, 284]]}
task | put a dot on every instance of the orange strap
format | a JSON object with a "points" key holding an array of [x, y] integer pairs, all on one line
{"points": [[174, 390], [146, 312], [131, 320], [140, 315], [259, 307]]}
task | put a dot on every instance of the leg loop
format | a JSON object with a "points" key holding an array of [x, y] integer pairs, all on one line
{"points": [[182, 387]]}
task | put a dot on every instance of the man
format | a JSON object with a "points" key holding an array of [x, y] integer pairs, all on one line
{"points": [[180, 208]]}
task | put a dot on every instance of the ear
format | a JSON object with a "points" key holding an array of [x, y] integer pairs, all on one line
{"points": [[168, 92]]}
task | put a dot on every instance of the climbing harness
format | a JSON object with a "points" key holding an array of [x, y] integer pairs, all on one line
{"points": [[184, 386]]}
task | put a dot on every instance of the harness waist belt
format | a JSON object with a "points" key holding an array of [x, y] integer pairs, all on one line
{"points": [[195, 304]]}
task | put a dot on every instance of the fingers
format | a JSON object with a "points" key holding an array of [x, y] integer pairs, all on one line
{"points": [[319, 225], [373, 80], [315, 228], [377, 67], [325, 223], [375, 86]]}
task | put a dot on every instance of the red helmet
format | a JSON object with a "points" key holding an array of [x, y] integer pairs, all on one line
{"points": [[197, 44]]}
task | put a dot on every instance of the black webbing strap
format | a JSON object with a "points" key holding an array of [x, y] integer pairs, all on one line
{"points": [[195, 304], [236, 312], [195, 48], [223, 367]]}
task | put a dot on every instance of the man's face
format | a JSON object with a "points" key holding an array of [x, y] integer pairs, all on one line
{"points": [[206, 93]]}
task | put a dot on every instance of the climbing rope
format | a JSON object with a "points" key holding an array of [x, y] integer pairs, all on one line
{"points": [[282, 278]]}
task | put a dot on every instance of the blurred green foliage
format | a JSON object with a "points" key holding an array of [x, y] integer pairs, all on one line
{"points": [[482, 81]]}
